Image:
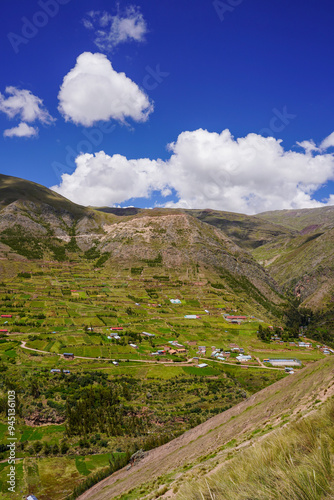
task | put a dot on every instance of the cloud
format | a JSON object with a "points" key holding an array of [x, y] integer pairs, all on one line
{"points": [[94, 91], [25, 105], [111, 31], [328, 142], [101, 179], [309, 146], [22, 130], [251, 174]]}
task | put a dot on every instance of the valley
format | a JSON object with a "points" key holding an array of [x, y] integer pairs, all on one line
{"points": [[128, 329]]}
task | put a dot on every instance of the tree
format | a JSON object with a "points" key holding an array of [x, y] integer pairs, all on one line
{"points": [[55, 449], [34, 390], [37, 447], [47, 449], [64, 448]]}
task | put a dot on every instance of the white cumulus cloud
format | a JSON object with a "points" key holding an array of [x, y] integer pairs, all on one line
{"points": [[25, 105], [328, 142], [22, 130], [93, 91], [101, 179], [110, 31], [309, 146], [251, 174]]}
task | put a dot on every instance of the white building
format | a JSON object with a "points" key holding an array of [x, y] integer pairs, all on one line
{"points": [[148, 334], [285, 362], [242, 357]]}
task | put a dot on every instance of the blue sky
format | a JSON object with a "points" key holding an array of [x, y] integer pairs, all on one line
{"points": [[193, 70]]}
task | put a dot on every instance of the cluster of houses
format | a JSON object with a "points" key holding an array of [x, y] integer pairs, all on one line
{"points": [[308, 345], [159, 352], [305, 344], [173, 348], [216, 353], [221, 355], [236, 348], [326, 350], [57, 370], [113, 336], [114, 332]]}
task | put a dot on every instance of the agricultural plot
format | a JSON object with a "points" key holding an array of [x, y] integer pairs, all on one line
{"points": [[148, 397]]}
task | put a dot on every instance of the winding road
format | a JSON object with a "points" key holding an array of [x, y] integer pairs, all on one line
{"points": [[24, 346]]}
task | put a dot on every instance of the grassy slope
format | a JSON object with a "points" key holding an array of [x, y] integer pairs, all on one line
{"points": [[295, 463], [247, 231], [300, 219], [13, 189], [132, 237], [302, 262], [207, 443], [273, 236]]}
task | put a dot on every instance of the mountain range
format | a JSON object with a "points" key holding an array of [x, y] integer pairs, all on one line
{"points": [[273, 253]]}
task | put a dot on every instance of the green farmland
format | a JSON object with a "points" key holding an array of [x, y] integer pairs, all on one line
{"points": [[62, 428]]}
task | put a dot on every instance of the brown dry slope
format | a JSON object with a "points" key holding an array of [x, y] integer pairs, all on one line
{"points": [[298, 393]]}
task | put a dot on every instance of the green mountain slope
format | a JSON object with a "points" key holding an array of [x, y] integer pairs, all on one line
{"points": [[165, 469], [305, 220], [294, 246], [13, 189], [302, 263], [294, 463], [247, 231], [36, 224]]}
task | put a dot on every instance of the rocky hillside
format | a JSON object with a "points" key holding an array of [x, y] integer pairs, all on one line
{"points": [[289, 251], [36, 224]]}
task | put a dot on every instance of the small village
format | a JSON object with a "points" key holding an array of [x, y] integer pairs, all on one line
{"points": [[233, 354]]}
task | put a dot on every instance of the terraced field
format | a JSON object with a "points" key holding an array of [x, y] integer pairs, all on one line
{"points": [[59, 308]]}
